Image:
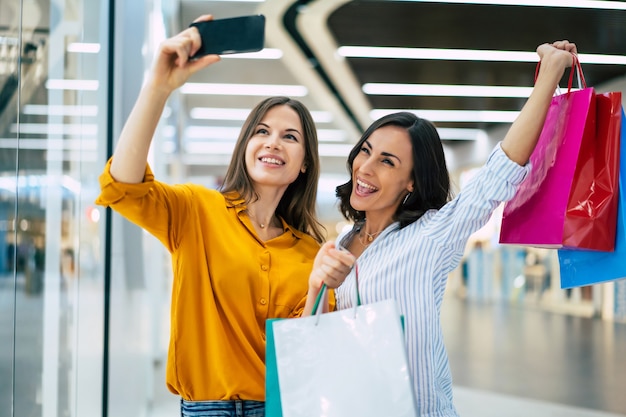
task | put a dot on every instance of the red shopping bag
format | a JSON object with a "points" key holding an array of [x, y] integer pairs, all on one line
{"points": [[591, 218], [578, 267], [570, 197]]}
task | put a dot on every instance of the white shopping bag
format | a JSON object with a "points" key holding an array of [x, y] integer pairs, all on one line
{"points": [[345, 363]]}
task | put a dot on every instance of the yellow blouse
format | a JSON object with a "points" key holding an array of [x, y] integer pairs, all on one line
{"points": [[227, 282]]}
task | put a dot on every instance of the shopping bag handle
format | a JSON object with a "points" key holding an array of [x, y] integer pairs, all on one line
{"points": [[576, 68]]}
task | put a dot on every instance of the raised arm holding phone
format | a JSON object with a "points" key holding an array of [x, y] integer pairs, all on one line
{"points": [[239, 255]]}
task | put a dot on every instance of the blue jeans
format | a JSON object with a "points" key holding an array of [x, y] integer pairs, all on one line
{"points": [[234, 408]]}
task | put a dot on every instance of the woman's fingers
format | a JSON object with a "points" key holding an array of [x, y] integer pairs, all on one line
{"points": [[202, 62], [559, 51], [186, 43], [335, 265], [566, 46], [174, 65], [571, 47], [182, 45], [203, 18]]}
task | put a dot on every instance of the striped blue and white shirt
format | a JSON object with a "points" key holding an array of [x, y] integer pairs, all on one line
{"points": [[411, 265]]}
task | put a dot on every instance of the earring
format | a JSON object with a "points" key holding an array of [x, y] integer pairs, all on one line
{"points": [[406, 197]]}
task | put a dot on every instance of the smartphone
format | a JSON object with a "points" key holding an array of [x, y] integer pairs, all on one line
{"points": [[232, 35]]}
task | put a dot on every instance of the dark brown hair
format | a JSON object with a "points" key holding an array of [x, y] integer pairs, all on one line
{"points": [[430, 173]]}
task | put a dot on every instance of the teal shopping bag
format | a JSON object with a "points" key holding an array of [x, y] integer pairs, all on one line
{"points": [[272, 388], [273, 406], [583, 267]]}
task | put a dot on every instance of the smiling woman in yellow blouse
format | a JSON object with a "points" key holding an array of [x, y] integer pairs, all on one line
{"points": [[240, 255]]}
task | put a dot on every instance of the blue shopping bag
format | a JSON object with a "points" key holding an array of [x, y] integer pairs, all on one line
{"points": [[582, 267]]}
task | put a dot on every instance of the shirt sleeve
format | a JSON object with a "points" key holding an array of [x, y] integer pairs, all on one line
{"points": [[494, 183], [156, 207]]}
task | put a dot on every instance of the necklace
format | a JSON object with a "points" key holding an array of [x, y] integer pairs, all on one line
{"points": [[261, 225], [370, 237]]}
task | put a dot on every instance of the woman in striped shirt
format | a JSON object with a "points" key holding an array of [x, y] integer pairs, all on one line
{"points": [[408, 232]]}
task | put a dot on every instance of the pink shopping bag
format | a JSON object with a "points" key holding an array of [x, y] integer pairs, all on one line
{"points": [[537, 214]]}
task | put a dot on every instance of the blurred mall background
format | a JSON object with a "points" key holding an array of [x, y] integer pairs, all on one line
{"points": [[84, 295]]}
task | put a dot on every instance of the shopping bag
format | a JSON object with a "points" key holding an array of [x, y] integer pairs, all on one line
{"points": [[584, 267], [591, 216], [569, 199], [351, 362], [273, 406]]}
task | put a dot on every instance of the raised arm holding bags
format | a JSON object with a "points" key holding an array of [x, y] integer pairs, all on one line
{"points": [[408, 232]]}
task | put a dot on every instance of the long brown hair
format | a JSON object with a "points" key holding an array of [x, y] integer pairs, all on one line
{"points": [[298, 204]]}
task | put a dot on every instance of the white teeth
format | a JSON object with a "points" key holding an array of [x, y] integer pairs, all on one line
{"points": [[272, 161], [364, 185]]}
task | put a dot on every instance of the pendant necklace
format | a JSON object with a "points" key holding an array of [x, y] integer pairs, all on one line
{"points": [[370, 237], [261, 225]]}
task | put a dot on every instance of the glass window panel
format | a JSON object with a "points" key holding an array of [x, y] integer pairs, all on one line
{"points": [[9, 53], [136, 280], [53, 142]]}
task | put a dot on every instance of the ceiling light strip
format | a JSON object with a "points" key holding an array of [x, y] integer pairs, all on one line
{"points": [[82, 144], [440, 90], [245, 89], [435, 54], [448, 133], [228, 133], [74, 129], [83, 47], [602, 59], [239, 114], [212, 113], [570, 4], [84, 85], [59, 110], [472, 116], [212, 132], [464, 55]]}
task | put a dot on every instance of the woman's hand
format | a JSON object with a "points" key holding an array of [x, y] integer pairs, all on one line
{"points": [[170, 70], [331, 266], [172, 66], [522, 137], [558, 53]]}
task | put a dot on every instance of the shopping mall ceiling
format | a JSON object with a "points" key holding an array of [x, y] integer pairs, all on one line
{"points": [[467, 66], [434, 53]]}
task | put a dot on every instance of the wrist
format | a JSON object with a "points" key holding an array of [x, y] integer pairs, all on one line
{"points": [[315, 285], [157, 89]]}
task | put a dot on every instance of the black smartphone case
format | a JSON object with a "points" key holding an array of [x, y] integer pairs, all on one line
{"points": [[231, 35]]}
